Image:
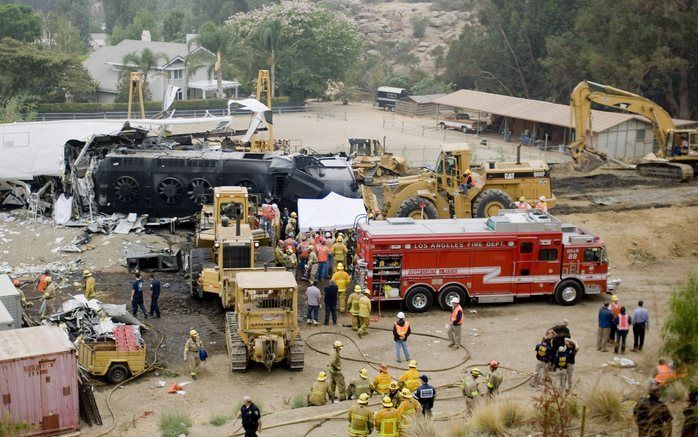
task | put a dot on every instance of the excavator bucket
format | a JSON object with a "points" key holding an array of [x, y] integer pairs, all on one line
{"points": [[587, 162]]}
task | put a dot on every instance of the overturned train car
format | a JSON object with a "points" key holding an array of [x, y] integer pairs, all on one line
{"points": [[175, 183]]}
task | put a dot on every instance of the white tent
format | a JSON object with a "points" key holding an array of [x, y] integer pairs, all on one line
{"points": [[332, 212]]}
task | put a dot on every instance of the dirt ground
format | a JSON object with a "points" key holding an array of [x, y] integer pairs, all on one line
{"points": [[650, 236]]}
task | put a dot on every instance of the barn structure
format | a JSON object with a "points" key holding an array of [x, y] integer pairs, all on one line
{"points": [[414, 106]]}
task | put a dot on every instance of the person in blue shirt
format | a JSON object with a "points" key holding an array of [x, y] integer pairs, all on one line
{"points": [[154, 296], [137, 296], [425, 394], [641, 323], [605, 324]]}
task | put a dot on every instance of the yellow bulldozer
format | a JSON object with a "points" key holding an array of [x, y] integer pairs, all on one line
{"points": [[261, 324], [371, 163], [439, 193]]}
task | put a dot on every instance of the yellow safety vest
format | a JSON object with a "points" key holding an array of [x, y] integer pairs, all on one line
{"points": [[364, 306], [341, 278], [388, 422], [411, 379], [407, 408], [382, 383], [359, 421]]}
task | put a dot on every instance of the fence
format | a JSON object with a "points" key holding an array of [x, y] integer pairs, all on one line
{"points": [[183, 113]]}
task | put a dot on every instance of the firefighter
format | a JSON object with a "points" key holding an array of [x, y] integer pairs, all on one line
{"points": [[386, 419], [90, 292], [279, 255], [290, 260], [359, 386], [40, 286], [471, 386], [342, 279], [191, 352], [410, 378], [320, 392], [359, 416], [393, 393], [336, 376], [541, 205], [22, 298], [522, 204], [381, 383], [312, 265], [494, 379], [454, 327], [364, 312], [353, 304], [47, 299], [425, 394], [408, 409], [291, 225], [339, 253]]}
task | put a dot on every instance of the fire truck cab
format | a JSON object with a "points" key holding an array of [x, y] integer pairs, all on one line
{"points": [[513, 254]]}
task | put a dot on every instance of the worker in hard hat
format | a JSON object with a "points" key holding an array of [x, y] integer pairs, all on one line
{"points": [[386, 419], [279, 253], [364, 313], [359, 386], [291, 224], [90, 292], [290, 260], [467, 182], [409, 408], [401, 330], [320, 392], [542, 205], [191, 352], [494, 378], [312, 265], [339, 253], [360, 418], [393, 393], [471, 385], [48, 297], [22, 298], [381, 383], [342, 279], [522, 204], [455, 323], [410, 378], [353, 303], [336, 376]]}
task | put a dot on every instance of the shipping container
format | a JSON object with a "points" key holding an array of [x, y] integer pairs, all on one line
{"points": [[6, 320], [9, 296], [38, 380]]}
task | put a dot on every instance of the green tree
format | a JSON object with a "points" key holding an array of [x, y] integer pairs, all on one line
{"points": [[13, 110], [217, 11], [267, 39], [146, 62], [78, 13], [430, 85], [120, 13], [19, 22], [215, 39], [680, 331], [42, 75], [142, 21], [173, 26], [60, 34]]}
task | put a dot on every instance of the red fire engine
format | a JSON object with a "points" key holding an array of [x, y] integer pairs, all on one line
{"points": [[513, 254]]}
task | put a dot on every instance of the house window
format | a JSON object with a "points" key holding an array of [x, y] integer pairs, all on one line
{"points": [[176, 74], [640, 136], [178, 96]]}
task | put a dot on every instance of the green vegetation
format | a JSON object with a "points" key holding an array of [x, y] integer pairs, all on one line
{"points": [[16, 109], [605, 403], [298, 401], [174, 424], [19, 22], [219, 419], [12, 429], [680, 331], [149, 106], [419, 26]]}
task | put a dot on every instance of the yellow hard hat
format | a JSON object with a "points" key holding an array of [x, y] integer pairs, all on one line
{"points": [[322, 376], [467, 171], [340, 239], [363, 399], [340, 266], [357, 289], [522, 199], [293, 214], [614, 298], [311, 248], [48, 279], [406, 393], [475, 372], [86, 273], [367, 291], [193, 333], [413, 363], [393, 385], [363, 373], [289, 249], [386, 402], [337, 344]]}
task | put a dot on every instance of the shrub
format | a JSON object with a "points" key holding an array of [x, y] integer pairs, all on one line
{"points": [[219, 419], [486, 420], [298, 401], [605, 403], [174, 424], [680, 331], [421, 426], [513, 412], [419, 26]]}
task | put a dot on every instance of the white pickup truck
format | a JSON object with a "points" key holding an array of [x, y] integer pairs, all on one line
{"points": [[461, 122]]}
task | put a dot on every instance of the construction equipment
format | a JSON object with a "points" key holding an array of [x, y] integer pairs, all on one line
{"points": [[135, 82], [114, 359], [438, 194], [223, 263], [677, 154], [264, 89], [370, 162]]}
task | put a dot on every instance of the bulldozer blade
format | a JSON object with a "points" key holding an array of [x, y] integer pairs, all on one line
{"points": [[588, 162]]}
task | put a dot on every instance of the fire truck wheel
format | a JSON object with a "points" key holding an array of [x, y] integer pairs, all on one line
{"points": [[568, 293], [447, 294], [490, 202], [413, 206], [419, 299]]}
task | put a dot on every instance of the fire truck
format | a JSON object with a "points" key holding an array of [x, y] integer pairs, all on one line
{"points": [[513, 254]]}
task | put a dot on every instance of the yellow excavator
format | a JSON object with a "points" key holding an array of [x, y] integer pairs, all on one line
{"points": [[677, 154]]}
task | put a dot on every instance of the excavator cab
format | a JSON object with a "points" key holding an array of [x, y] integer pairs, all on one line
{"points": [[454, 160]]}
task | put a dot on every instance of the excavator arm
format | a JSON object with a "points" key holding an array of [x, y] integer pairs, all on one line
{"points": [[586, 157]]}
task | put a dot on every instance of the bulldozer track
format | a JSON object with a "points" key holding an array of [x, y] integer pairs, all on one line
{"points": [[666, 170], [296, 359], [237, 351]]}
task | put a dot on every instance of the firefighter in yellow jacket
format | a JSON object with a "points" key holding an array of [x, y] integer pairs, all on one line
{"points": [[364, 313], [408, 409], [359, 386], [90, 292], [410, 378], [339, 252], [320, 392], [381, 383], [353, 303], [359, 416], [342, 279], [386, 419]]}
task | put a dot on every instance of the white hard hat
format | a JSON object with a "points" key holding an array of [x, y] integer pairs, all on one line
{"points": [[455, 300], [400, 315], [542, 198]]}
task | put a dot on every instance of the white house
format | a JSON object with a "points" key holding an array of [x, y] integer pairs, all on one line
{"points": [[105, 64]]}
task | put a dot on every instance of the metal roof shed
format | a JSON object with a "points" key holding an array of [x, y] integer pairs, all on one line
{"points": [[9, 296], [38, 380]]}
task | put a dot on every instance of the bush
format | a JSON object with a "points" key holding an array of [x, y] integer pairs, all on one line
{"points": [[680, 331], [298, 401], [174, 424], [419, 26], [421, 426], [605, 403], [485, 419], [513, 412], [219, 419], [149, 106]]}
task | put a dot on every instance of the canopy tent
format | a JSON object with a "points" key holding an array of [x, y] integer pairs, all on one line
{"points": [[332, 212]]}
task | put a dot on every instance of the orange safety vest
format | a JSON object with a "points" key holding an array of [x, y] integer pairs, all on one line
{"points": [[623, 324], [41, 287], [615, 309], [454, 315], [268, 212], [402, 330], [664, 374]]}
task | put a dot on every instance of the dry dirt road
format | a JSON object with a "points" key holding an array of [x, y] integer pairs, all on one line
{"points": [[651, 251]]}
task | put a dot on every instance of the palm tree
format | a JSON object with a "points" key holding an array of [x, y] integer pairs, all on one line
{"points": [[145, 62], [267, 38], [215, 39]]}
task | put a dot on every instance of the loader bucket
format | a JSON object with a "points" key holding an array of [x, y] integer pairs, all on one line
{"points": [[587, 162]]}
